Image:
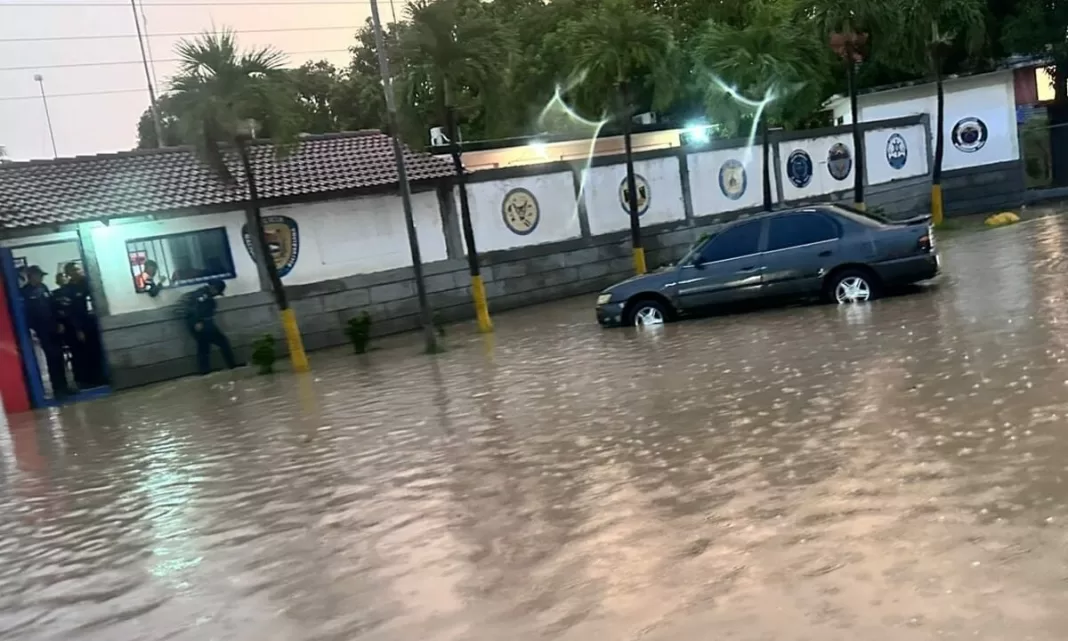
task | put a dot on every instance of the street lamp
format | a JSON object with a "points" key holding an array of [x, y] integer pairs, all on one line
{"points": [[44, 99]]}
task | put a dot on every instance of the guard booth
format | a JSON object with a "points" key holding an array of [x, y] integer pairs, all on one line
{"points": [[39, 389]]}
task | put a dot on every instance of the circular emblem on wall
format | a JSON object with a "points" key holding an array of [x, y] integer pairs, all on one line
{"points": [[732, 179], [897, 152], [644, 195], [283, 241], [520, 211], [799, 168], [839, 161], [969, 135]]}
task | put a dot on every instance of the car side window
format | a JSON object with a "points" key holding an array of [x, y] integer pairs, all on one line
{"points": [[793, 230], [741, 240]]}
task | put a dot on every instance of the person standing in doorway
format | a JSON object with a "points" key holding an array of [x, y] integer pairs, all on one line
{"points": [[43, 318], [81, 329], [198, 311]]}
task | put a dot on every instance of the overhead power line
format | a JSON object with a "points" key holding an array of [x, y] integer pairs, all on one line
{"points": [[111, 63], [183, 34], [222, 3], [77, 94]]}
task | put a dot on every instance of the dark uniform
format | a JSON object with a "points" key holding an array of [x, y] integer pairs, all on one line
{"points": [[43, 318], [198, 312], [81, 332]]}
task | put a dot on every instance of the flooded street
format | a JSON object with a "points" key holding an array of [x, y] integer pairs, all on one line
{"points": [[895, 471]]}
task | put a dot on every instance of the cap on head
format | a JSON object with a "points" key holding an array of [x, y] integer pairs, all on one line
{"points": [[34, 270], [217, 285]]}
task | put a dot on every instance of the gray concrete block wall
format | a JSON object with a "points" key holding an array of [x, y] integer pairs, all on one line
{"points": [[901, 198], [986, 189]]}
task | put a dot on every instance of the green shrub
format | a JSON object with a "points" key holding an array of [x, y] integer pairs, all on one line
{"points": [[263, 355], [359, 332]]}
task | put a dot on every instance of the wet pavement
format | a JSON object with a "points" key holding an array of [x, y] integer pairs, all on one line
{"points": [[894, 471]]}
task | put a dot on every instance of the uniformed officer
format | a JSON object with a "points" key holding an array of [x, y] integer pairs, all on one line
{"points": [[198, 311], [43, 318], [80, 327]]}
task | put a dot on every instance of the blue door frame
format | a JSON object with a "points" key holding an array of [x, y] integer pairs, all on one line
{"points": [[34, 381]]}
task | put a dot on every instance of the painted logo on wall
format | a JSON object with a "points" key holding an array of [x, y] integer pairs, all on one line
{"points": [[969, 135], [799, 168], [520, 211], [283, 241], [732, 179], [644, 194], [839, 161], [897, 152]]}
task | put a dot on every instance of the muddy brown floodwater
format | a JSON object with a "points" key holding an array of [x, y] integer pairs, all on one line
{"points": [[889, 472]]}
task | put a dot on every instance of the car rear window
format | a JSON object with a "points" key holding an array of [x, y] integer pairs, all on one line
{"points": [[862, 217]]}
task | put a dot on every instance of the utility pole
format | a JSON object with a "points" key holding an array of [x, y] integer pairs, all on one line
{"points": [[148, 78], [402, 180], [48, 118]]}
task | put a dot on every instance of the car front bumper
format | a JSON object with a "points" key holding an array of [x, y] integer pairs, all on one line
{"points": [[610, 314]]}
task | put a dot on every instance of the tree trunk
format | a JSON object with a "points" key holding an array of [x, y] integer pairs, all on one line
{"points": [[298, 358], [632, 187], [478, 287], [765, 142], [937, 211], [858, 136]]}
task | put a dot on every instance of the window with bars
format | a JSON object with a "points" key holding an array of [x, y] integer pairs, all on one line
{"points": [[176, 260]]}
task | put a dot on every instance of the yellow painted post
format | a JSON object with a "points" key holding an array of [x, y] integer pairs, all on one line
{"points": [[297, 357], [860, 206], [937, 213], [639, 260], [478, 292]]}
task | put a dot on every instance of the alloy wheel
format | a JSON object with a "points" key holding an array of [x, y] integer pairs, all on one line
{"points": [[852, 289]]}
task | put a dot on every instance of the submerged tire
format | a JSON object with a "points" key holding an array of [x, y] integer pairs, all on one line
{"points": [[851, 286], [646, 312]]}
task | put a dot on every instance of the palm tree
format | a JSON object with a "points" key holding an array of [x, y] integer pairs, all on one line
{"points": [[221, 95], [848, 25], [766, 70], [451, 48], [932, 28], [621, 50]]}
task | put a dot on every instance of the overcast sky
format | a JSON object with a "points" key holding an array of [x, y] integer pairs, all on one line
{"points": [[91, 124]]}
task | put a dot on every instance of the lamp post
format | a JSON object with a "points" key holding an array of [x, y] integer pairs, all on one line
{"points": [[148, 80], [405, 189], [48, 118]]}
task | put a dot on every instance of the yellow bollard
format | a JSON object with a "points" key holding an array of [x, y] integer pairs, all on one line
{"points": [[860, 206], [639, 260], [297, 356], [937, 213], [478, 292]]}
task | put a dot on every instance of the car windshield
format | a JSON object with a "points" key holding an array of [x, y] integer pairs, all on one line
{"points": [[695, 249]]}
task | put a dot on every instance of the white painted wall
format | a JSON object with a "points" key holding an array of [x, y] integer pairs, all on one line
{"points": [[877, 155], [117, 280], [601, 192], [351, 236], [822, 182], [557, 218], [49, 251], [990, 97], [706, 193]]}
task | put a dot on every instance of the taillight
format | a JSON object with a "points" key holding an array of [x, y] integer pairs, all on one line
{"points": [[925, 243]]}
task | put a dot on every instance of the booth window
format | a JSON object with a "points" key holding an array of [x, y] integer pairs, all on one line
{"points": [[181, 259]]}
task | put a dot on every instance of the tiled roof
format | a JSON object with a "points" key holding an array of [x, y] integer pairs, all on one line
{"points": [[46, 192]]}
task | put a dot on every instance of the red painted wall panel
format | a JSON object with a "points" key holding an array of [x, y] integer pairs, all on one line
{"points": [[12, 378]]}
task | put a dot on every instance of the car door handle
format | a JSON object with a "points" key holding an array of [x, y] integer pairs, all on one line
{"points": [[751, 268], [825, 253]]}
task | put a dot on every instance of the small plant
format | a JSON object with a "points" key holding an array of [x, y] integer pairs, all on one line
{"points": [[263, 354], [359, 332]]}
